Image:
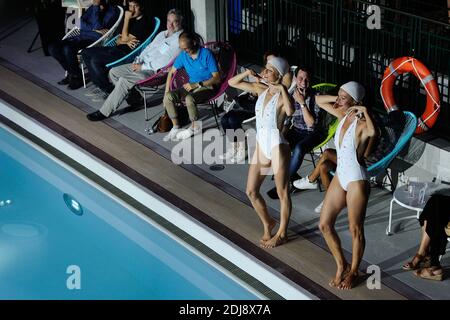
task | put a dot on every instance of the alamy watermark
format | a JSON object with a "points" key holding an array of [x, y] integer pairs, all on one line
{"points": [[73, 282], [205, 148], [374, 19], [373, 282]]}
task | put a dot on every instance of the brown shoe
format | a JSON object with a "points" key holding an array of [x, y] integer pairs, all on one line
{"points": [[431, 273], [418, 261]]}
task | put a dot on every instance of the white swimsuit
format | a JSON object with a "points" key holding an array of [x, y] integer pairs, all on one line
{"points": [[268, 135], [348, 167]]}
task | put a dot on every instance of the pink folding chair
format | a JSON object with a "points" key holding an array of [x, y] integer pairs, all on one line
{"points": [[152, 84], [226, 60]]}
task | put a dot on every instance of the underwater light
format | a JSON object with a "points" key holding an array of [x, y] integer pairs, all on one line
{"points": [[5, 202], [73, 204]]}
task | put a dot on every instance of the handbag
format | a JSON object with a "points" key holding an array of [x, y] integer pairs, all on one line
{"points": [[163, 124]]}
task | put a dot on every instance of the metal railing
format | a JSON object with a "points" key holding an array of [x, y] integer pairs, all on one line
{"points": [[332, 38]]}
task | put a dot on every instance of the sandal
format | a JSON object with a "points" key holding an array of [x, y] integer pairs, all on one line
{"points": [[429, 273], [422, 262]]}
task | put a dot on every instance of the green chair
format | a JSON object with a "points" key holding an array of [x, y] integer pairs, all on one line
{"points": [[329, 122]]}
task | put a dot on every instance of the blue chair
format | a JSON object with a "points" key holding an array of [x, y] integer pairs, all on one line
{"points": [[137, 51], [406, 135]]}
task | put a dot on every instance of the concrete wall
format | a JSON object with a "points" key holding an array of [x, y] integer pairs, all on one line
{"points": [[205, 20]]}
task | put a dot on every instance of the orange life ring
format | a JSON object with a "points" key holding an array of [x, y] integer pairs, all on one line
{"points": [[414, 66]]}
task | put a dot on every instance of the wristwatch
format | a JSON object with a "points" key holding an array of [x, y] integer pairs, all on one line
{"points": [[200, 84], [303, 105]]}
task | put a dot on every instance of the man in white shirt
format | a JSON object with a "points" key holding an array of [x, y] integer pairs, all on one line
{"points": [[163, 49]]}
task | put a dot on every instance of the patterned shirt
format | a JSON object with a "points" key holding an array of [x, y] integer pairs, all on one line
{"points": [[298, 120]]}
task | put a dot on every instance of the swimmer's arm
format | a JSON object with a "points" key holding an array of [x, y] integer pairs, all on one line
{"points": [[327, 103], [368, 130], [288, 107], [238, 82]]}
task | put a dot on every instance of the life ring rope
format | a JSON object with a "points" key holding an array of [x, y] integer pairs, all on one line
{"points": [[437, 104], [424, 82]]}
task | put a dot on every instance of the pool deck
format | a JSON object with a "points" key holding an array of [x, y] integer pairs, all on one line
{"points": [[215, 199]]}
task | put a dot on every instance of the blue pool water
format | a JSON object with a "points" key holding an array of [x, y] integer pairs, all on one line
{"points": [[117, 254]]}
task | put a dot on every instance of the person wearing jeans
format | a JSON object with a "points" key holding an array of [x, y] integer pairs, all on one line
{"points": [[136, 28], [93, 24], [305, 132]]}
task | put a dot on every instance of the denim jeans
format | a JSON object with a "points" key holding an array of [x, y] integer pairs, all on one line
{"points": [[96, 59], [233, 119], [301, 142], [66, 51]]}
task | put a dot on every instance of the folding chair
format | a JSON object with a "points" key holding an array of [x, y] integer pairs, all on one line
{"points": [[226, 59], [133, 54], [99, 42], [151, 85]]}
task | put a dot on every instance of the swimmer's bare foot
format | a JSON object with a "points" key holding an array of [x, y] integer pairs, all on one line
{"points": [[275, 241], [268, 231], [349, 281], [341, 273]]}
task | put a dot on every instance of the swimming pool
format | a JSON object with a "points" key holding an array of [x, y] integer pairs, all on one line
{"points": [[92, 248], [119, 187]]}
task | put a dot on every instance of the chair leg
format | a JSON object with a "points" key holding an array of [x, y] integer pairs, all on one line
{"points": [[216, 116], [145, 105], [82, 73], [390, 180], [312, 159]]}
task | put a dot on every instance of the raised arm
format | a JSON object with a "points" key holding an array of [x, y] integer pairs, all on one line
{"points": [[370, 126], [287, 101], [369, 130], [238, 82], [327, 103]]}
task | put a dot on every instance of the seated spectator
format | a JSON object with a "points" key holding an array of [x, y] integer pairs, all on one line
{"points": [[163, 49], [95, 22], [435, 220], [201, 68], [305, 132], [136, 28], [233, 119]]}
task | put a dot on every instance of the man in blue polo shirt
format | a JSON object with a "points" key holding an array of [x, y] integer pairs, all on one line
{"points": [[201, 67]]}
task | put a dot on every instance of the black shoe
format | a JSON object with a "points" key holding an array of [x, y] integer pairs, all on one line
{"points": [[272, 193], [295, 176], [75, 83], [134, 97], [64, 81], [96, 116]]}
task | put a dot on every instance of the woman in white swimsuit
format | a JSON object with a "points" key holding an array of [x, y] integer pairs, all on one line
{"points": [[349, 187], [272, 150]]}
